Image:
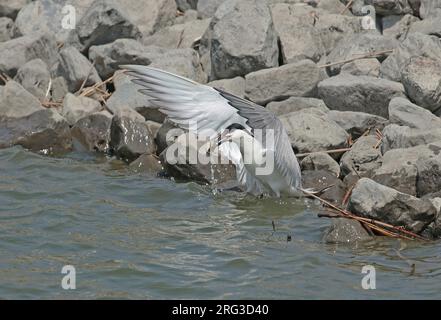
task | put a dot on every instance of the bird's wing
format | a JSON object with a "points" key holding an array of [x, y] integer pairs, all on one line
{"points": [[184, 101]]}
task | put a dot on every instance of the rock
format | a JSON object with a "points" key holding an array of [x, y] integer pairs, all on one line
{"points": [[176, 160], [43, 131], [235, 86], [10, 8], [153, 126], [414, 171], [189, 15], [127, 98], [293, 104], [18, 51], [320, 161], [373, 200], [75, 68], [150, 15], [363, 158], [240, 39], [430, 9], [34, 76], [404, 113], [431, 27], [416, 44], [295, 79], [395, 137], [421, 78], [184, 62], [8, 30], [130, 138], [312, 132], [298, 38], [109, 57], [363, 67], [357, 44], [183, 35], [320, 179], [434, 229], [397, 26], [92, 132], [346, 92], [104, 22], [46, 16], [390, 7], [207, 8], [16, 102], [147, 163], [59, 89], [304, 34], [166, 135], [186, 5], [75, 108], [344, 231], [357, 123]]}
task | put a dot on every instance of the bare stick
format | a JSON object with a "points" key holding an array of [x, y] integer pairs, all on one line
{"points": [[362, 56], [87, 77], [346, 7], [326, 151]]}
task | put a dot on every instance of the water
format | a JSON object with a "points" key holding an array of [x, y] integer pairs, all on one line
{"points": [[137, 237]]}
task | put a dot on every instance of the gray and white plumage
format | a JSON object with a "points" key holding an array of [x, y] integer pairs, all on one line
{"points": [[184, 100]]}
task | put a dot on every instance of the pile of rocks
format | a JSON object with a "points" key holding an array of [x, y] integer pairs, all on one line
{"points": [[336, 82]]}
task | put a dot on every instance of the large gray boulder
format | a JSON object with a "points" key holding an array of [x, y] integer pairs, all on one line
{"points": [[357, 123], [10, 8], [18, 51], [75, 69], [274, 84], [104, 22], [421, 78], [48, 16], [313, 131], [395, 137], [362, 67], [75, 108], [306, 34], [34, 76], [430, 9], [320, 161], [109, 57], [293, 104], [416, 44], [355, 45], [346, 92], [92, 132], [414, 171], [335, 189], [363, 158], [207, 8], [130, 138], [235, 85], [431, 26], [8, 30], [345, 231], [404, 113], [183, 35], [240, 39], [147, 164], [375, 201], [398, 26], [17, 102], [43, 131]]}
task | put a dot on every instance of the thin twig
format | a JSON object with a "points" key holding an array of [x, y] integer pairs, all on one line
{"points": [[374, 224], [346, 7], [87, 77], [300, 155], [49, 87], [362, 56]]}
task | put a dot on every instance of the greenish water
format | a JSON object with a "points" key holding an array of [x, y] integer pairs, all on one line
{"points": [[138, 237]]}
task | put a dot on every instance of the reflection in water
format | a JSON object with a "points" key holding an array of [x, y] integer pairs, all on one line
{"points": [[133, 236]]}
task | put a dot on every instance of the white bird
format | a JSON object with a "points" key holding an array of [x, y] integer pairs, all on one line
{"points": [[184, 101]]}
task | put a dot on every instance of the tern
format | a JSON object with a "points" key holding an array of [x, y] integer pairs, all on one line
{"points": [[184, 101]]}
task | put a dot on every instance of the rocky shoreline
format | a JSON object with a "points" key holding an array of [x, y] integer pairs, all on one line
{"points": [[361, 106]]}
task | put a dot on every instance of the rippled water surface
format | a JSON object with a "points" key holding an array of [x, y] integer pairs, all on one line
{"points": [[138, 237]]}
